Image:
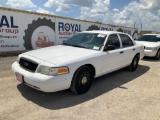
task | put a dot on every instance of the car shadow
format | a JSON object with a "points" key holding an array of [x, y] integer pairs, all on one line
{"points": [[150, 59], [65, 99]]}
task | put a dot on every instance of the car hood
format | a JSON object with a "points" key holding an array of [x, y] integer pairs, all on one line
{"points": [[149, 44], [61, 54]]}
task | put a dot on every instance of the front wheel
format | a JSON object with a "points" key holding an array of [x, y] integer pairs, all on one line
{"points": [[157, 55], [134, 64], [82, 80]]}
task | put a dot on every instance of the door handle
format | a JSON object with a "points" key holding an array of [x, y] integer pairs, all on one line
{"points": [[121, 52], [134, 49]]}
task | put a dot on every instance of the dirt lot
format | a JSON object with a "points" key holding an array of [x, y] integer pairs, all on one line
{"points": [[121, 95]]}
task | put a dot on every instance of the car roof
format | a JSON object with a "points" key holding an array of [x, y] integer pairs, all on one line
{"points": [[101, 32]]}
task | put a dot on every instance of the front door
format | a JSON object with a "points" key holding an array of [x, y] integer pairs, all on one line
{"points": [[112, 59]]}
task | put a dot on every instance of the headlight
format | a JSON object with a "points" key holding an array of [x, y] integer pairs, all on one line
{"points": [[52, 71], [44, 70], [151, 48]]}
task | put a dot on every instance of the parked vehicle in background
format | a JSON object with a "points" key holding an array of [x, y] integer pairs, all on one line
{"points": [[151, 44], [80, 59]]}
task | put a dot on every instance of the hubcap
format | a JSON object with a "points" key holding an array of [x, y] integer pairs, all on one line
{"points": [[84, 80]]}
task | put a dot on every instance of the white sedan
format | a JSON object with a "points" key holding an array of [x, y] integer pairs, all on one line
{"points": [[80, 59], [151, 44]]}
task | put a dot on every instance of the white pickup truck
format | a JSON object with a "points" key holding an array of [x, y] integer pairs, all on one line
{"points": [[80, 59]]}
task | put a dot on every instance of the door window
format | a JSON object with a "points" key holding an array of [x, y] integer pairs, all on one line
{"points": [[113, 40]]}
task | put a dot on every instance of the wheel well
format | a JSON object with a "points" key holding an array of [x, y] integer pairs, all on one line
{"points": [[90, 66], [158, 50], [138, 54], [157, 53]]}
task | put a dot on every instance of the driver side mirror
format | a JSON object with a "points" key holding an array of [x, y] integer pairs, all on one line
{"points": [[109, 47]]}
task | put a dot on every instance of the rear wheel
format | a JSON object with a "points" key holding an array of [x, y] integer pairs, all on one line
{"points": [[133, 66], [82, 80], [157, 55]]}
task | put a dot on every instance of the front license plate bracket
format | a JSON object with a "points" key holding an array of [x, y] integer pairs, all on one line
{"points": [[19, 77]]}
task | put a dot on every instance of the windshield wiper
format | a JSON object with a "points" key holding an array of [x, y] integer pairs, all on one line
{"points": [[66, 44], [81, 46]]}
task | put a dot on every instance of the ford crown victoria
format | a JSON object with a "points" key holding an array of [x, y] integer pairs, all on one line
{"points": [[80, 59], [151, 44]]}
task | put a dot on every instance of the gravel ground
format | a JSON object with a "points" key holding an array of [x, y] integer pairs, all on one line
{"points": [[120, 95]]}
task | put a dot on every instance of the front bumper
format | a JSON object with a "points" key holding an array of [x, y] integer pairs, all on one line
{"points": [[42, 82], [150, 53]]}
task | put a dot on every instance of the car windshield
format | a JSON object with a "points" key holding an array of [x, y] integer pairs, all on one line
{"points": [[149, 38], [86, 40]]}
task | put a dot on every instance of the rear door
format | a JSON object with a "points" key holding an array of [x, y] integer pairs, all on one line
{"points": [[129, 49]]}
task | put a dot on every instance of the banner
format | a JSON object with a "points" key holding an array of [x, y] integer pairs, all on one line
{"points": [[23, 30]]}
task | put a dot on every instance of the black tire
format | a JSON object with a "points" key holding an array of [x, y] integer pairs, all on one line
{"points": [[157, 55], [134, 64], [82, 80]]}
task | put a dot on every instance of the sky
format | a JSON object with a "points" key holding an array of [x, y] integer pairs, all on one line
{"points": [[143, 14]]}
